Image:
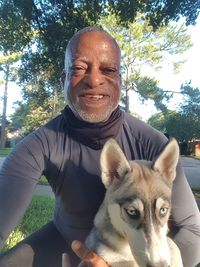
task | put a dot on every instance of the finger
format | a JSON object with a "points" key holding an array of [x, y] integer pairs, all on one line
{"points": [[81, 250], [65, 260]]}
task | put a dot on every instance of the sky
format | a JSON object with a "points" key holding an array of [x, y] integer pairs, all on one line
{"points": [[167, 80]]}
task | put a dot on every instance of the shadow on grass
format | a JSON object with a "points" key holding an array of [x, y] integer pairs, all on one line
{"points": [[39, 212]]}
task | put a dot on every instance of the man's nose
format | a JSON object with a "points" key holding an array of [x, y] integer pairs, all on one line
{"points": [[94, 78]]}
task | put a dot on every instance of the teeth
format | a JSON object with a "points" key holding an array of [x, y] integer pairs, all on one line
{"points": [[95, 96]]}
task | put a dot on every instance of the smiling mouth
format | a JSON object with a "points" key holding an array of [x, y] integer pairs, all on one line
{"points": [[95, 97], [94, 100]]}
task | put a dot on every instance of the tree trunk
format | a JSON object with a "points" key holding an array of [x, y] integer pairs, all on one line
{"points": [[127, 108], [5, 99], [54, 103]]}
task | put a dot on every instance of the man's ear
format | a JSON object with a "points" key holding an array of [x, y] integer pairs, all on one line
{"points": [[62, 78]]}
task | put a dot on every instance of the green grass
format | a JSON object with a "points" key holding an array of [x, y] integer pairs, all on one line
{"points": [[43, 181], [5, 151], [196, 192], [39, 212]]}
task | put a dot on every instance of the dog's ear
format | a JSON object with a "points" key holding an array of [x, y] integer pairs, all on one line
{"points": [[167, 160], [114, 164]]}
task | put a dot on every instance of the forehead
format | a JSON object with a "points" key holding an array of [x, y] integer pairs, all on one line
{"points": [[94, 44], [145, 183]]}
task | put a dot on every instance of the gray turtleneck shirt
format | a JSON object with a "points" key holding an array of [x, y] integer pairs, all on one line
{"points": [[67, 150]]}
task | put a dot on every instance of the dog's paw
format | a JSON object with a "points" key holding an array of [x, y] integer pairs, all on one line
{"points": [[176, 259]]}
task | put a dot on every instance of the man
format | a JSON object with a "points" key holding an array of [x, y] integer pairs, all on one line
{"points": [[67, 149]]}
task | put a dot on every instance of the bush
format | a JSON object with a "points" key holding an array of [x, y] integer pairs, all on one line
{"points": [[39, 212]]}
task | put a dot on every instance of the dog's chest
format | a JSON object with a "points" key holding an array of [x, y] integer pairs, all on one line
{"points": [[121, 258]]}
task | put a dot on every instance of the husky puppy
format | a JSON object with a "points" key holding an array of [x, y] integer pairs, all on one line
{"points": [[130, 228]]}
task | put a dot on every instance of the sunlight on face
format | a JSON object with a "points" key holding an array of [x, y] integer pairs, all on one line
{"points": [[93, 82]]}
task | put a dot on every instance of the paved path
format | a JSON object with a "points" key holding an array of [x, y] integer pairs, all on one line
{"points": [[192, 170], [43, 190]]}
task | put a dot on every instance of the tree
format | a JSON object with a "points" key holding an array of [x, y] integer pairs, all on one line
{"points": [[14, 35], [38, 106], [6, 66], [41, 29], [158, 12], [191, 101], [143, 47], [183, 124], [50, 24], [140, 46], [174, 124]]}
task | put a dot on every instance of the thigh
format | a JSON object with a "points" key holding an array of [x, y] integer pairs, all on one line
{"points": [[43, 248]]}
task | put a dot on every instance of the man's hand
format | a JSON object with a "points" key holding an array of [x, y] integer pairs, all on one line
{"points": [[65, 260], [89, 258]]}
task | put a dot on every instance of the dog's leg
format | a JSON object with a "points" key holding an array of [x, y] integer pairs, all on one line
{"points": [[124, 264], [176, 260]]}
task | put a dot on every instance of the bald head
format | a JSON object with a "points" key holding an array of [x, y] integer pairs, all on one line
{"points": [[76, 37]]}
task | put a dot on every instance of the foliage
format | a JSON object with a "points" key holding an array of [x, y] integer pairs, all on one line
{"points": [[43, 180], [174, 124], [39, 212], [191, 101], [37, 108], [184, 124], [41, 29], [147, 88], [196, 192], [158, 12], [7, 60], [143, 48]]}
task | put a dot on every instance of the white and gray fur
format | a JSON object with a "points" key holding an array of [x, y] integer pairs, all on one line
{"points": [[131, 226]]}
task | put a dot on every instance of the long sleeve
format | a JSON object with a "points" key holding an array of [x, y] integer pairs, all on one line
{"points": [[18, 177], [185, 228]]}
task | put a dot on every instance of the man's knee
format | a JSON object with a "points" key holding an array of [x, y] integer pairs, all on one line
{"points": [[21, 255]]}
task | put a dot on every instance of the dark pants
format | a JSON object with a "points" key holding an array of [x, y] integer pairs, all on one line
{"points": [[43, 248]]}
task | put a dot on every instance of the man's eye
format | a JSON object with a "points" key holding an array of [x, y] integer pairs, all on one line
{"points": [[77, 69], [109, 70]]}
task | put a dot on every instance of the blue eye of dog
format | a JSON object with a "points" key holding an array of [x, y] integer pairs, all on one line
{"points": [[163, 211], [133, 213]]}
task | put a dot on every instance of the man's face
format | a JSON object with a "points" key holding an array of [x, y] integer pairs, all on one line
{"points": [[93, 80]]}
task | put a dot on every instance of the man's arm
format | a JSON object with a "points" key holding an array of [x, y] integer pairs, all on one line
{"points": [[18, 177], [185, 227]]}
